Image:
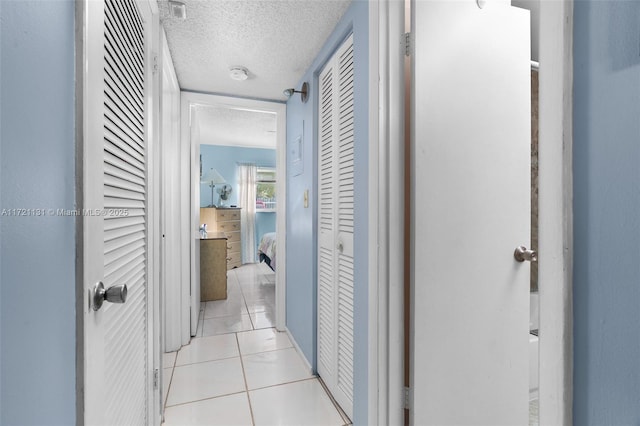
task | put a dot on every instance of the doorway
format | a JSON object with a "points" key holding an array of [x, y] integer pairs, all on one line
{"points": [[193, 107]]}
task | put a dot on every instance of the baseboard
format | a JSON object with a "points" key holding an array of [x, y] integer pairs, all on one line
{"points": [[297, 348]]}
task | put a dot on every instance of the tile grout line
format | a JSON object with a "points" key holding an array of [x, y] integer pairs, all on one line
{"points": [[205, 399], [244, 374], [285, 383], [205, 361], [246, 386], [165, 398], [244, 299]]}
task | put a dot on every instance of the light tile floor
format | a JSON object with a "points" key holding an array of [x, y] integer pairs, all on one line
{"points": [[239, 370]]}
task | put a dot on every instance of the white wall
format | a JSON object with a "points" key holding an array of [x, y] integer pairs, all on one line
{"points": [[37, 253]]}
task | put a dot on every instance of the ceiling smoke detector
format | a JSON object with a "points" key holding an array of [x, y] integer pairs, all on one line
{"points": [[178, 9], [238, 73]]}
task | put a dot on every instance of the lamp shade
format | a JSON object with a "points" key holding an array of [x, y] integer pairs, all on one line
{"points": [[212, 177]]}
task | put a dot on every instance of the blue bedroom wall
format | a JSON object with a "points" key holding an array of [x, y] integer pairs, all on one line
{"points": [[37, 266], [224, 159], [606, 287], [301, 221]]}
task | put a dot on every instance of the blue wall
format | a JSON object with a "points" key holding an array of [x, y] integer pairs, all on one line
{"points": [[606, 150], [301, 235], [37, 278], [224, 159]]}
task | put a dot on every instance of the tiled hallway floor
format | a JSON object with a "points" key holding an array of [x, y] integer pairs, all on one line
{"points": [[239, 370]]}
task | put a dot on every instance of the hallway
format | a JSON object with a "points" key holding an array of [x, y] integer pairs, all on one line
{"points": [[239, 370]]}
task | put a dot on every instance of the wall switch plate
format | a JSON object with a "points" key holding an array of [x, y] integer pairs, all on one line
{"points": [[306, 198]]}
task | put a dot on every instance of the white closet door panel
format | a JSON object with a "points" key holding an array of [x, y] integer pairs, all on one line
{"points": [[115, 181], [326, 218], [336, 224], [326, 314], [326, 177], [345, 221], [125, 256]]}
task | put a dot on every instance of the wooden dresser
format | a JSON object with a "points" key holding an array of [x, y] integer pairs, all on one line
{"points": [[213, 267], [225, 220]]}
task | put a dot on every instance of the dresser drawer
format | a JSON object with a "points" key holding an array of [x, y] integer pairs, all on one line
{"points": [[228, 226], [233, 260], [227, 215], [234, 237], [233, 246]]}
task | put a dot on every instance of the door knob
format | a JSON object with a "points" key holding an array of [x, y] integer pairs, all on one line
{"points": [[340, 247], [522, 253], [114, 294]]}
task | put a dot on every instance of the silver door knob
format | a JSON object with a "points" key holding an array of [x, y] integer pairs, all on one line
{"points": [[114, 294], [522, 253]]}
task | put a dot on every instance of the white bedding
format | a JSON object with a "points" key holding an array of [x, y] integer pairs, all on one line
{"points": [[267, 247]]}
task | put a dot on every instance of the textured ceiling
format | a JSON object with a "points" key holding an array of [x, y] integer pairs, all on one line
{"points": [[276, 40], [236, 127]]}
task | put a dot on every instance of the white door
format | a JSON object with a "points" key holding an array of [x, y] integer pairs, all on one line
{"points": [[118, 363], [335, 226], [471, 153]]}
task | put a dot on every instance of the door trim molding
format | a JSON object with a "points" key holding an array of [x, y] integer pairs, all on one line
{"points": [[555, 236], [386, 224], [189, 100], [149, 9], [377, 315]]}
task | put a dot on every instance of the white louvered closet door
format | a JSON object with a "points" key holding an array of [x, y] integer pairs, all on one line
{"points": [[115, 224], [335, 225]]}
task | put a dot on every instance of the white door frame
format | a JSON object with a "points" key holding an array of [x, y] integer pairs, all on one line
{"points": [[555, 234], [386, 223], [175, 325], [154, 241], [189, 102], [555, 245]]}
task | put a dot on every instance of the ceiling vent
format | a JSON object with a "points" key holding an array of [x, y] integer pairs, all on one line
{"points": [[178, 9]]}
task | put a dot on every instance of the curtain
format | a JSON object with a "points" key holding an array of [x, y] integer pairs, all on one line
{"points": [[247, 200]]}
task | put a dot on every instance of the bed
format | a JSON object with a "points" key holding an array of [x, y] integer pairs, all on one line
{"points": [[267, 249]]}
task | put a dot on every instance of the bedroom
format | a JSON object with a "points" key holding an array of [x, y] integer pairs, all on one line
{"points": [[238, 198]]}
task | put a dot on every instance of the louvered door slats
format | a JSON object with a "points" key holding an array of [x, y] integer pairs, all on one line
{"points": [[120, 69], [326, 313], [119, 109], [132, 20], [120, 55], [336, 218], [118, 147], [117, 167], [121, 124], [124, 39], [125, 237]]}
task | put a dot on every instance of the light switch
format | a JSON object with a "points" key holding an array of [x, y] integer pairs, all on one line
{"points": [[306, 198]]}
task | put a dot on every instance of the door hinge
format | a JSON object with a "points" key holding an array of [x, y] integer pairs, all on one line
{"points": [[156, 378], [407, 398], [407, 44], [155, 64]]}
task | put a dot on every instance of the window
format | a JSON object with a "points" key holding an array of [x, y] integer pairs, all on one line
{"points": [[266, 189]]}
